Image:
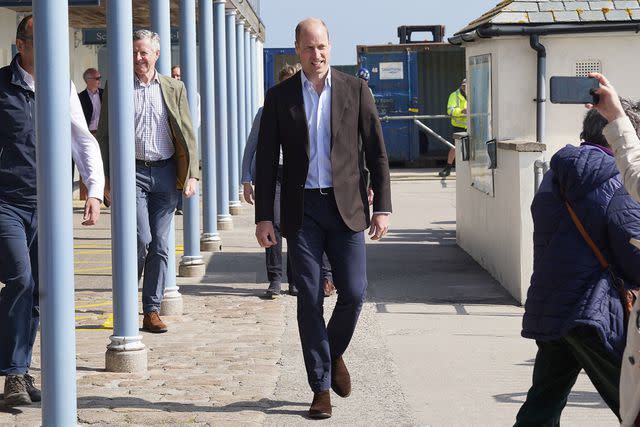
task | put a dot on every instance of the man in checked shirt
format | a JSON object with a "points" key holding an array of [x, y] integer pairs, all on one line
{"points": [[166, 158]]}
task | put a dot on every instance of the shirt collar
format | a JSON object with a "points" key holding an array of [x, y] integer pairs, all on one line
{"points": [[28, 78], [307, 83], [153, 79]]}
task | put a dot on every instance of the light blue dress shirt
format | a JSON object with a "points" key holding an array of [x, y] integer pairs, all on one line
{"points": [[318, 111]]}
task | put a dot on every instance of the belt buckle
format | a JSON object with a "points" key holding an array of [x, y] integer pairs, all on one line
{"points": [[320, 191], [147, 163]]}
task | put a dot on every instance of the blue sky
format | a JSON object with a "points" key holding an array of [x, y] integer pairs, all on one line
{"points": [[358, 22]]}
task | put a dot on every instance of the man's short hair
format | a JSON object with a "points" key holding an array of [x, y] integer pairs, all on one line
{"points": [[287, 71], [85, 75], [175, 66], [153, 38], [21, 31], [594, 123], [299, 28]]}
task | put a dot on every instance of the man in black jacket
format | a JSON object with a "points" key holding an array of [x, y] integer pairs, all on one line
{"points": [[91, 98]]}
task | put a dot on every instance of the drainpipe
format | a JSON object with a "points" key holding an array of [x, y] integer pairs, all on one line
{"points": [[534, 41]]}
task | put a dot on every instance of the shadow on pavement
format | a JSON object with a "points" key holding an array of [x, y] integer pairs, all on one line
{"points": [[267, 406], [580, 399]]}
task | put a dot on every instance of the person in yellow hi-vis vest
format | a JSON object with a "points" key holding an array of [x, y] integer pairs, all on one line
{"points": [[457, 109]]}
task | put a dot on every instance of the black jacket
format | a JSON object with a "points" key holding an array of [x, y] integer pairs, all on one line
{"points": [[87, 106]]}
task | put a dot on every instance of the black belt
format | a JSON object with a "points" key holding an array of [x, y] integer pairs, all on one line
{"points": [[152, 164], [323, 191]]}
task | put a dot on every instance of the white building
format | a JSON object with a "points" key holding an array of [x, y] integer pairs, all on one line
{"points": [[573, 37]]}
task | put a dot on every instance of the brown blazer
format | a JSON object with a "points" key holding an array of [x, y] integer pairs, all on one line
{"points": [[284, 123], [174, 94]]}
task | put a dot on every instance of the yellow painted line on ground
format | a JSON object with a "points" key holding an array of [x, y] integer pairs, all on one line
{"points": [[99, 304], [93, 251], [91, 245], [108, 324], [81, 262], [92, 270]]}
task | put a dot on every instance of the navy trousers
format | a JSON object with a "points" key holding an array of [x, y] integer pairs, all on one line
{"points": [[323, 231], [19, 309], [156, 199]]}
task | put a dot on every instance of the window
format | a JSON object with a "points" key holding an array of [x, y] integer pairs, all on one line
{"points": [[480, 132]]}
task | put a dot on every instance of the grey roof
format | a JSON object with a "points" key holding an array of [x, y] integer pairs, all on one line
{"points": [[523, 12]]}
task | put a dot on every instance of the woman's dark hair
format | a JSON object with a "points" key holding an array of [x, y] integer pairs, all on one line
{"points": [[592, 126]]}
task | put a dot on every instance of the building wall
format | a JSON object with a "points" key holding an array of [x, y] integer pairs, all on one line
{"points": [[8, 24], [497, 231]]}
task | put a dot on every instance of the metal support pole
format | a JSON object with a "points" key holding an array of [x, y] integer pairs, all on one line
{"points": [[242, 126], [191, 264], [210, 240], [430, 131], [55, 222], [225, 222], [161, 23], [126, 352], [235, 208], [247, 80], [254, 76]]}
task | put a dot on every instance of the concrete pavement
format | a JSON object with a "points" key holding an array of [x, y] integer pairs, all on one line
{"points": [[438, 341]]}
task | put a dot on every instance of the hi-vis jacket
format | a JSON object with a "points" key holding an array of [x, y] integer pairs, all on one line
{"points": [[457, 103]]}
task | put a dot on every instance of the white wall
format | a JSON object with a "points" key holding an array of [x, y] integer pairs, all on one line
{"points": [[81, 57], [8, 24], [497, 231]]}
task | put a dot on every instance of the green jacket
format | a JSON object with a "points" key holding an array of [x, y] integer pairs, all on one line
{"points": [[457, 103], [174, 94]]}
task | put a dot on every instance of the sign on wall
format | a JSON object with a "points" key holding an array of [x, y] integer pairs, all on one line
{"points": [[91, 36], [391, 71], [12, 3]]}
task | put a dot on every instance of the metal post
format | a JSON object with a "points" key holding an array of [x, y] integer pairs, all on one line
{"points": [[191, 264], [225, 222], [55, 222], [161, 23], [247, 80], [254, 76], [259, 73], [242, 126], [235, 208], [126, 352], [210, 240]]}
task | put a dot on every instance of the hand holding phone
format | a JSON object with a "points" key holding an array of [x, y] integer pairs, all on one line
{"points": [[574, 90]]}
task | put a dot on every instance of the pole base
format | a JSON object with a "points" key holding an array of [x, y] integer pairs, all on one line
{"points": [[225, 224], [235, 210], [171, 304], [210, 246], [126, 361], [191, 270]]}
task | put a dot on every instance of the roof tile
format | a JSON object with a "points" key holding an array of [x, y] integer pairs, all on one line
{"points": [[570, 16], [551, 5], [510, 18], [592, 15], [540, 17], [576, 5], [529, 6], [635, 14], [595, 5], [617, 15], [627, 4]]}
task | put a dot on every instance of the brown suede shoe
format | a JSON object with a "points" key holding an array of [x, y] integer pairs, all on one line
{"points": [[340, 378], [321, 405], [329, 289], [153, 323]]}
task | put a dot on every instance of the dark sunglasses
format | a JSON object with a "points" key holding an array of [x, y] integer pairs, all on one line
{"points": [[95, 78]]}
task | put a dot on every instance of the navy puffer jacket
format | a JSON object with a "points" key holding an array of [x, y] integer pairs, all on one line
{"points": [[569, 287]]}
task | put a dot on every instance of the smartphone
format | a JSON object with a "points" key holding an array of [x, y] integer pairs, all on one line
{"points": [[635, 242], [574, 90]]}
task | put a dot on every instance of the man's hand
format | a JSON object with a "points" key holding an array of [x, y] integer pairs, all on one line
{"points": [[191, 187], [609, 104], [265, 234], [370, 196], [379, 226], [91, 211], [247, 190]]}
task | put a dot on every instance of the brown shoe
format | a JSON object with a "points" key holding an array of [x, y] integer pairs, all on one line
{"points": [[340, 378], [153, 323], [329, 289], [321, 405]]}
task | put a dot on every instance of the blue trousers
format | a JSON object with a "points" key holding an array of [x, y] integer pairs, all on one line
{"points": [[19, 309], [156, 199], [323, 231]]}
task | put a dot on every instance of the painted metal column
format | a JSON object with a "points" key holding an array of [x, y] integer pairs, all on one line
{"points": [[259, 73], [191, 264], [242, 120], [126, 352], [161, 23], [225, 222], [235, 208], [254, 76], [210, 241], [247, 80], [55, 222]]}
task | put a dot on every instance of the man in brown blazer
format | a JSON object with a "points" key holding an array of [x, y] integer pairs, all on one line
{"points": [[317, 117], [166, 159]]}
